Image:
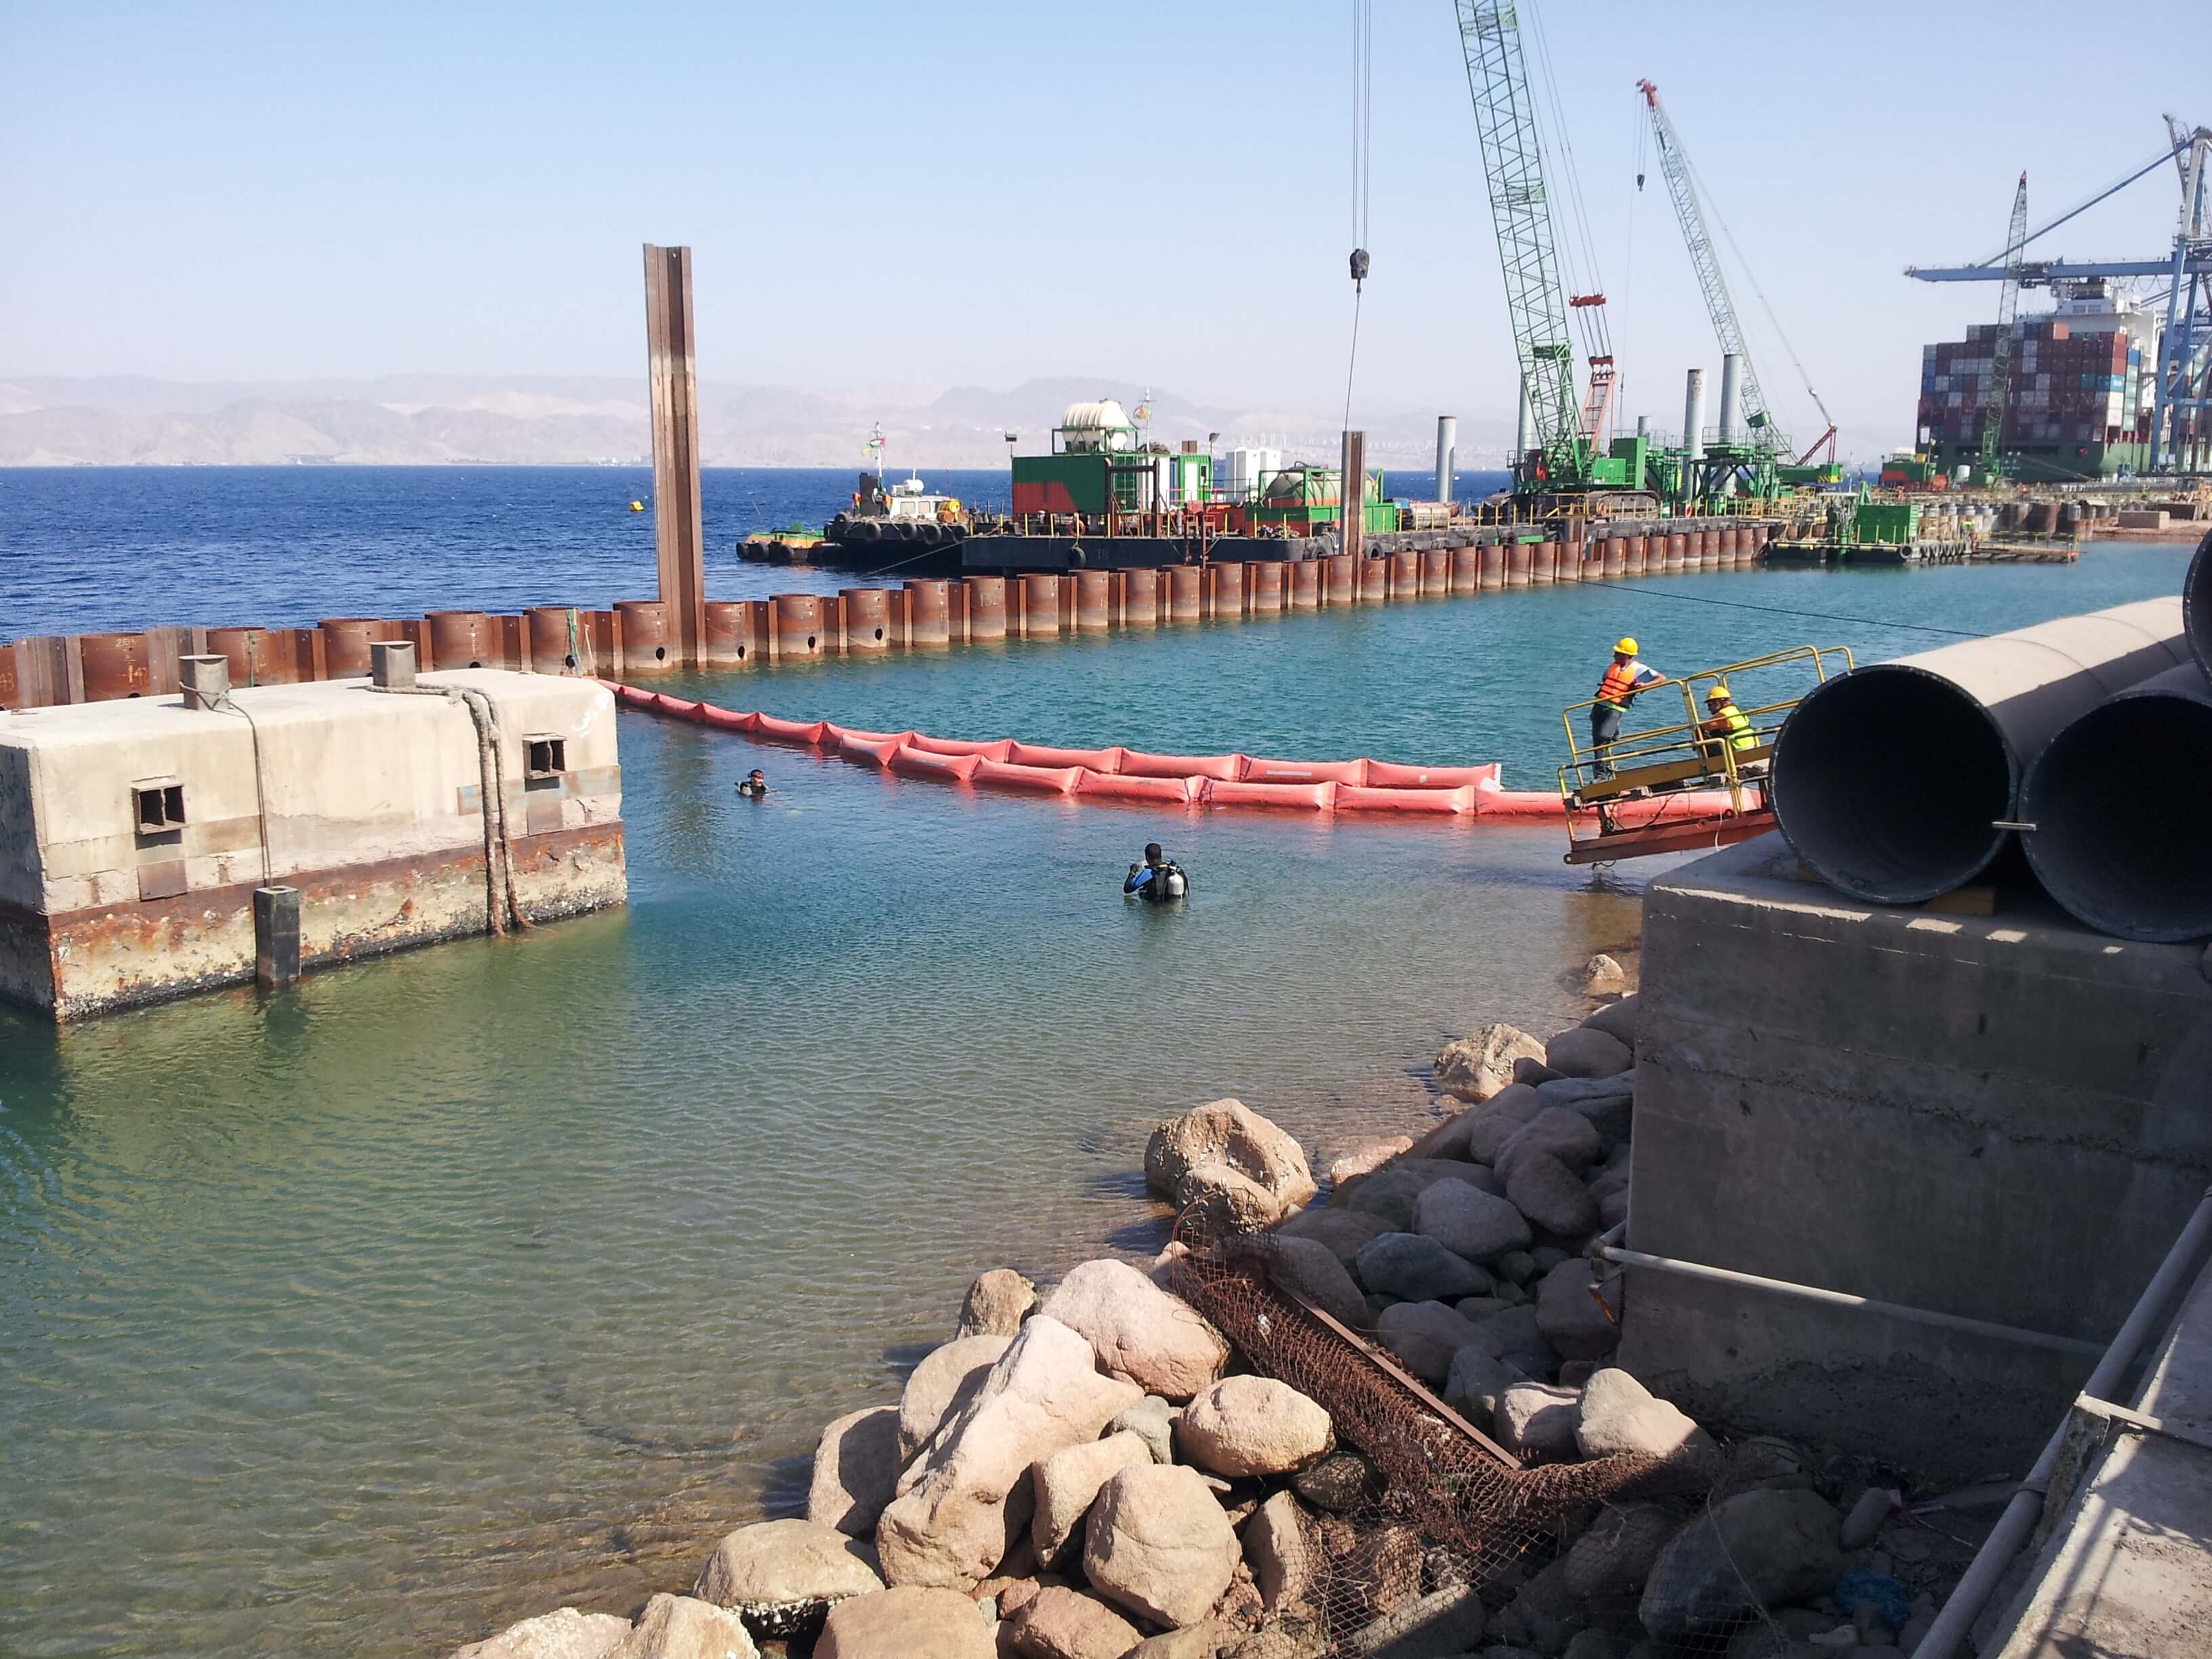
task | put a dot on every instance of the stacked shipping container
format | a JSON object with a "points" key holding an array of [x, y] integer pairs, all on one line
{"points": [[2076, 405]]}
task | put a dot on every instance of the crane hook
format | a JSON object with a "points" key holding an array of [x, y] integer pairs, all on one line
{"points": [[1359, 264]]}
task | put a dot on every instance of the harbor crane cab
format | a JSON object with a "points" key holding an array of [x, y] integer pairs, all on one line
{"points": [[1696, 780]]}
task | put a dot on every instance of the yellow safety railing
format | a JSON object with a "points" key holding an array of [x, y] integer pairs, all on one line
{"points": [[1682, 754]]}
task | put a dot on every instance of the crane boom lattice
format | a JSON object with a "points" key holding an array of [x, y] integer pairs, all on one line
{"points": [[1704, 259], [2000, 387], [1535, 300]]}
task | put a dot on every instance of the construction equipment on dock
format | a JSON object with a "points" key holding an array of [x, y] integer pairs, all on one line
{"points": [[1769, 446], [1569, 458], [1696, 783]]}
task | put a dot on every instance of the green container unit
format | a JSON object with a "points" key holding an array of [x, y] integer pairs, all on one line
{"points": [[1889, 523]]}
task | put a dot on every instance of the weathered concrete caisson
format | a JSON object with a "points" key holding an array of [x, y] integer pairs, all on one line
{"points": [[134, 833]]}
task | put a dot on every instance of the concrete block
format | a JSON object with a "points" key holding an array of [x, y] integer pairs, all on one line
{"points": [[2006, 1118], [133, 834]]}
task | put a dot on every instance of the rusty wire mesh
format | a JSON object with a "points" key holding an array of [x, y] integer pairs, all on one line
{"points": [[1447, 1518]]}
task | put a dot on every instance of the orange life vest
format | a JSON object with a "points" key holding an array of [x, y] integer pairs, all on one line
{"points": [[1620, 681]]}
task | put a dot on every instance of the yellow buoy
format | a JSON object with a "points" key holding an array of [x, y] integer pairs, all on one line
{"points": [[637, 507]]}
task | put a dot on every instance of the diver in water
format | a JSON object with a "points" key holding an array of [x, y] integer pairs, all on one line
{"points": [[755, 787], [1156, 880]]}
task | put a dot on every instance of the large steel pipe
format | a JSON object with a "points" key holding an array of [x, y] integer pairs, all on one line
{"points": [[1892, 781], [2196, 603], [2115, 861]]}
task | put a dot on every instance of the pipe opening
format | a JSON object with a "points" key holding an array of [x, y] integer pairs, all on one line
{"points": [[2111, 860], [2197, 604], [1887, 783]]}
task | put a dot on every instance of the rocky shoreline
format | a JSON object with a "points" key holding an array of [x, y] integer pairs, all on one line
{"points": [[1098, 1472]]}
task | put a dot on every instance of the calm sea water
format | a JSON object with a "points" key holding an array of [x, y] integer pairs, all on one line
{"points": [[454, 1286]]}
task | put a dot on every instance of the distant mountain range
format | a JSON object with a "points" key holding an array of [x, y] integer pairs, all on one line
{"points": [[438, 419]]}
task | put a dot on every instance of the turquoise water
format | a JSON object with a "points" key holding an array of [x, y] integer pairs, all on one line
{"points": [[462, 1284], [457, 1286], [1444, 681]]}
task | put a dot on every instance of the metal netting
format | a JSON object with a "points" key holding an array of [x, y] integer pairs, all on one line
{"points": [[1445, 1518]]}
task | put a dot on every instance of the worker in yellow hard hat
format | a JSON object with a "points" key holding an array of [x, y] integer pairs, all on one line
{"points": [[1624, 677], [1725, 724]]}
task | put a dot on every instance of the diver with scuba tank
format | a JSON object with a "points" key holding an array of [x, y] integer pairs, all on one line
{"points": [[1157, 880]]}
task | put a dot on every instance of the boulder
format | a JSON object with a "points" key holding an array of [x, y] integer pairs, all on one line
{"points": [[1515, 1268], [1158, 1544], [1382, 1572], [1500, 1122], [1552, 1195], [1340, 1482], [1614, 1558], [1475, 1380], [912, 1622], [1469, 1222], [1617, 1020], [1392, 1194], [1755, 1550], [1308, 1267], [1620, 1414], [1229, 1202], [1228, 1132], [1424, 1336], [946, 1380], [1140, 1332], [1151, 1419], [1064, 1484], [1867, 1517], [1254, 1425], [1439, 1625], [780, 1576], [1603, 977], [1571, 1317], [1533, 1072], [856, 1469], [1417, 1269], [1586, 1051], [563, 1633], [997, 1303], [681, 1627], [1345, 1231], [1479, 1064], [970, 1502], [1609, 1102], [1534, 1419], [1366, 1157], [1058, 1623], [1545, 1610], [1280, 1548], [1554, 1131], [1204, 1641], [1514, 1331]]}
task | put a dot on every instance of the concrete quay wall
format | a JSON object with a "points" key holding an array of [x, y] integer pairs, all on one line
{"points": [[2005, 1118], [370, 803]]}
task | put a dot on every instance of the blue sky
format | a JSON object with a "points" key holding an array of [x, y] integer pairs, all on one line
{"points": [[926, 195]]}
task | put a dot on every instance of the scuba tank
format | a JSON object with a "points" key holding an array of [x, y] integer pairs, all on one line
{"points": [[1176, 884]]}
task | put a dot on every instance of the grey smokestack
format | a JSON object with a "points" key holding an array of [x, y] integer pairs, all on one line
{"points": [[1693, 421], [2113, 859], [1447, 454], [1891, 780], [1521, 426], [1731, 375]]}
